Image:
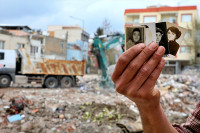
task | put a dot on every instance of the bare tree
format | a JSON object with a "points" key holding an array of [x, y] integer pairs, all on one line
{"points": [[106, 27]]}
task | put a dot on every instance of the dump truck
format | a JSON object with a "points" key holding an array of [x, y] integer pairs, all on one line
{"points": [[16, 66]]}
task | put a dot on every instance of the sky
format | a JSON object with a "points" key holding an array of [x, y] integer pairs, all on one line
{"points": [[37, 14]]}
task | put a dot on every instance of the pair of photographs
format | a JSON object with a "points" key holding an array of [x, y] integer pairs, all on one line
{"points": [[165, 34]]}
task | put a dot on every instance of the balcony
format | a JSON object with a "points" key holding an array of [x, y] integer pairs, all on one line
{"points": [[169, 17], [132, 19]]}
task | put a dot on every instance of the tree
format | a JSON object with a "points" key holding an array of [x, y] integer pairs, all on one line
{"points": [[99, 32], [106, 27]]}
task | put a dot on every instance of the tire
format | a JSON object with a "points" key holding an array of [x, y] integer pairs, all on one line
{"points": [[51, 82], [43, 86], [66, 82], [5, 81]]}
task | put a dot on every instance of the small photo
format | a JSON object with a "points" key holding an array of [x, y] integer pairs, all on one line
{"points": [[134, 35], [150, 32], [175, 36], [161, 36]]}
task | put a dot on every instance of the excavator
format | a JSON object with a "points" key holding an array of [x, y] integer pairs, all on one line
{"points": [[99, 49]]}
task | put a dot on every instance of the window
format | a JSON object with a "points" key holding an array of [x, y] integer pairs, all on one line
{"points": [[172, 20], [34, 49], [135, 20], [1, 56], [84, 37], [169, 19], [20, 45], [186, 17], [62, 44], [148, 19], [164, 20], [185, 49], [198, 54], [188, 34], [2, 43]]}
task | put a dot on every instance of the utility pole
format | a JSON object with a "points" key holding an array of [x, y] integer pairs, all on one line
{"points": [[82, 20]]}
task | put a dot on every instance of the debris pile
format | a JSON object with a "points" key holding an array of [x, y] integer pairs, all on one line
{"points": [[87, 108], [180, 94]]}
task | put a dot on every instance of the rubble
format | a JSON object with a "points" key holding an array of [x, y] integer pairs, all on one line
{"points": [[87, 108]]}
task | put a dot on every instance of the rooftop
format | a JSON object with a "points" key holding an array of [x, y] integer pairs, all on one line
{"points": [[160, 9], [14, 27]]}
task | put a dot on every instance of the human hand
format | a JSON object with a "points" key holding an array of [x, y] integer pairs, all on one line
{"points": [[136, 73]]}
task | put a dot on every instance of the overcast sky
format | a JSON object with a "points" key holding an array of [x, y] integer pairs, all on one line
{"points": [[37, 14]]}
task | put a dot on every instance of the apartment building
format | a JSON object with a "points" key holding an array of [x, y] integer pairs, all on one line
{"points": [[37, 45], [184, 16], [70, 33], [17, 36], [10, 41]]}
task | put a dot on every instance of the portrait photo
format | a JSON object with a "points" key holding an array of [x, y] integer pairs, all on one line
{"points": [[134, 35], [175, 36], [161, 36]]}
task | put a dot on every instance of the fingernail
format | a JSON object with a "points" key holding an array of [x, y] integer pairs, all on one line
{"points": [[160, 50], [163, 61], [153, 46], [142, 45]]}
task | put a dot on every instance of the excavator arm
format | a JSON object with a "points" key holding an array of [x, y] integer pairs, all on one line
{"points": [[99, 49]]}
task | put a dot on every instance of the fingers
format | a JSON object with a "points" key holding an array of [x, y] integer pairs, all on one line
{"points": [[147, 69], [135, 64], [154, 76], [124, 60]]}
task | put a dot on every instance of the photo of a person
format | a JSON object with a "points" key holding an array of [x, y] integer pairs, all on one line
{"points": [[134, 37], [173, 34], [161, 36]]}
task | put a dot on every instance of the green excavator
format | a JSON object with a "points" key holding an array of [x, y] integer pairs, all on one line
{"points": [[99, 48]]}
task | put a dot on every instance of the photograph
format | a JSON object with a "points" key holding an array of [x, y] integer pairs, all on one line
{"points": [[175, 36], [150, 32], [161, 36], [134, 35]]}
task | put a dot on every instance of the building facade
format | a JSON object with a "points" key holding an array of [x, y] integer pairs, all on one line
{"points": [[37, 45], [184, 16], [54, 48], [70, 33], [76, 39]]}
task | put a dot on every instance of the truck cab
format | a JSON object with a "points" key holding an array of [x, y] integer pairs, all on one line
{"points": [[7, 67]]}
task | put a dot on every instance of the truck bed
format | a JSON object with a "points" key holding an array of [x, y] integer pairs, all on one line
{"points": [[50, 66]]}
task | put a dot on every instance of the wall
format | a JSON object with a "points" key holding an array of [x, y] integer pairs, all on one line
{"points": [[53, 48], [11, 41]]}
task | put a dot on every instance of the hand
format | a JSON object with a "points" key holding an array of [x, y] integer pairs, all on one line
{"points": [[136, 73]]}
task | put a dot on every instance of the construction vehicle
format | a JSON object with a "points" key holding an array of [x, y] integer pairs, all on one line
{"points": [[16, 66], [99, 49]]}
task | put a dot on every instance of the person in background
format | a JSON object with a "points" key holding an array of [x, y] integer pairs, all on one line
{"points": [[135, 76]]}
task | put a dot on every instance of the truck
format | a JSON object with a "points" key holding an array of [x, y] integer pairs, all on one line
{"points": [[16, 66]]}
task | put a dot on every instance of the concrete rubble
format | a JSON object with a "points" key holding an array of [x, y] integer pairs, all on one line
{"points": [[87, 108]]}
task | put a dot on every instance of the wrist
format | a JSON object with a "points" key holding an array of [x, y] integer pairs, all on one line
{"points": [[149, 108]]}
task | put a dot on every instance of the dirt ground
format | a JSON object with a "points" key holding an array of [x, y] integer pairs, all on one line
{"points": [[87, 108]]}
